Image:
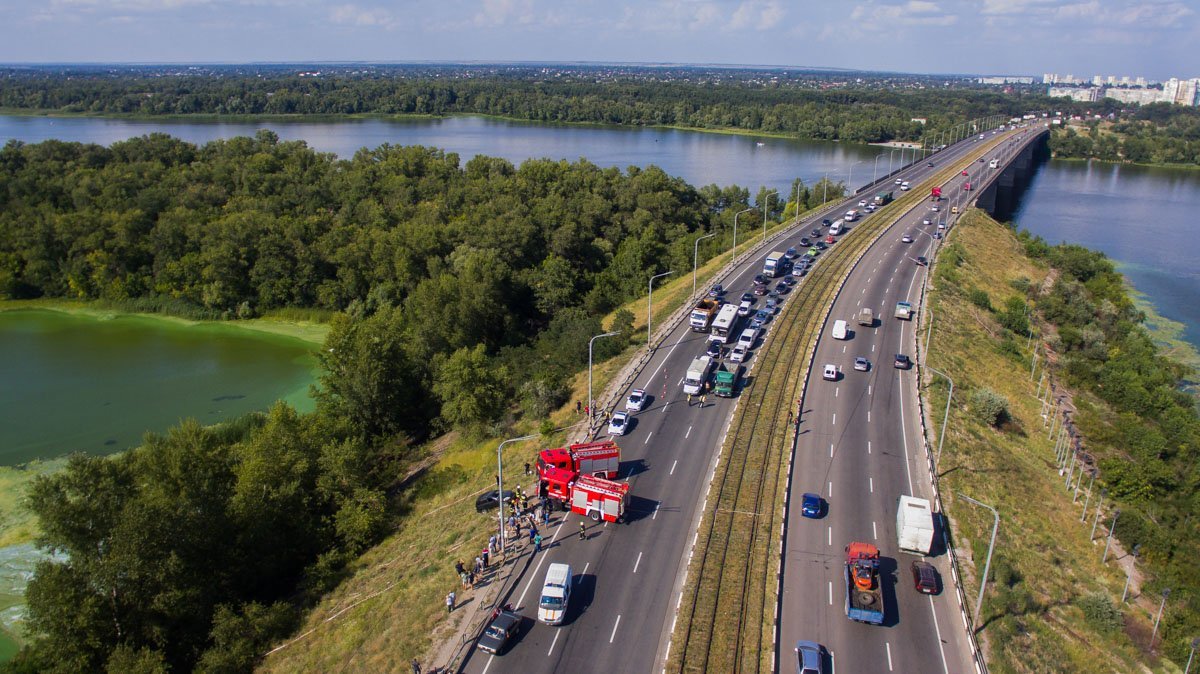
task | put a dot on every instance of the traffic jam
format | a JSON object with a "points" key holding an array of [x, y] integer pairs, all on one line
{"points": [[586, 479]]}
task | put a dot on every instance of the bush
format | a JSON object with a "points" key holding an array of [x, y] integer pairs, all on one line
{"points": [[1021, 285], [980, 299], [989, 407], [1100, 612]]}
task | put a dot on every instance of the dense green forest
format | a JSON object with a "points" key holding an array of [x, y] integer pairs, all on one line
{"points": [[861, 115], [1153, 134], [1147, 451], [466, 296]]}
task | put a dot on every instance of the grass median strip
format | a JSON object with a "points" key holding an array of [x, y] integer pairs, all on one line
{"points": [[727, 614]]}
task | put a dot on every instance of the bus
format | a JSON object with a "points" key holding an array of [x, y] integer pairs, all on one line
{"points": [[726, 323]]}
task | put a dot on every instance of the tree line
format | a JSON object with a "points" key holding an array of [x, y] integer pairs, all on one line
{"points": [[1148, 439], [1160, 133], [465, 297]]}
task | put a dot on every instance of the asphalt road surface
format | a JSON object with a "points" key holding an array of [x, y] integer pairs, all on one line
{"points": [[627, 576]]}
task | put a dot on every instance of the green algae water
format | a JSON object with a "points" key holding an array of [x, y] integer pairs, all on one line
{"points": [[77, 383]]}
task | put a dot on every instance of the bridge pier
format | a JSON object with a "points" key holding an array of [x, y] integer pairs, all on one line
{"points": [[1002, 194]]}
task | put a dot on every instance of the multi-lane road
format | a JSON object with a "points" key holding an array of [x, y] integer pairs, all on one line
{"points": [[628, 576]]}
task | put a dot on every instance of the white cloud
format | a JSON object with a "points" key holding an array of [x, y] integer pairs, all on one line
{"points": [[505, 12], [1135, 14], [885, 17], [756, 14], [354, 15]]}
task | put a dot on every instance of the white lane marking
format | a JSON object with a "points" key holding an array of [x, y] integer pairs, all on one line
{"points": [[868, 416], [868, 446], [673, 467], [872, 348], [639, 561], [648, 438], [676, 383], [835, 391], [874, 534], [689, 432], [871, 484], [868, 389], [829, 537], [556, 633], [844, 347], [889, 654], [834, 422], [833, 662], [831, 593], [655, 510], [938, 630], [614, 632], [830, 490], [904, 440], [831, 450]]}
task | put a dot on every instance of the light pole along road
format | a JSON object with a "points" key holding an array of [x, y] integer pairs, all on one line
{"points": [[860, 448], [627, 577]]}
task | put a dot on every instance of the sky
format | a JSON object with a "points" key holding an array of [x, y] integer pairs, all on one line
{"points": [[1156, 39]]}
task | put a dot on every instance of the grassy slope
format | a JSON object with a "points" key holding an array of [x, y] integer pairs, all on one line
{"points": [[1044, 561]]}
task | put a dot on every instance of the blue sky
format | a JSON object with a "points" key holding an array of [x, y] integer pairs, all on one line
{"points": [[1156, 39]]}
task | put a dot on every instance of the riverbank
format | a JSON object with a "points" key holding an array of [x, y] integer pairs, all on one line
{"points": [[278, 323]]}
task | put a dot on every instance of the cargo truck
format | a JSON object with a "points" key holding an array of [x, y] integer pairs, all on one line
{"points": [[725, 380], [702, 315], [864, 594], [883, 198], [697, 376], [904, 311], [914, 525], [773, 265]]}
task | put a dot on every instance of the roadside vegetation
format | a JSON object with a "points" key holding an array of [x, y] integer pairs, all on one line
{"points": [[1050, 604], [1156, 134]]}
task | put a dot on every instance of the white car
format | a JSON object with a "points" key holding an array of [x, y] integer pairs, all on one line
{"points": [[738, 355], [904, 187], [934, 208], [831, 372], [862, 203], [906, 239], [927, 221], [744, 309], [862, 364], [618, 423], [899, 181], [636, 400]]}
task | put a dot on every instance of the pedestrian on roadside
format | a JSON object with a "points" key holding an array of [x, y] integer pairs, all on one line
{"points": [[478, 564], [459, 568], [579, 407], [528, 471], [471, 579], [537, 543], [450, 602], [486, 556], [491, 543], [582, 532], [416, 666], [546, 515], [587, 412], [464, 578]]}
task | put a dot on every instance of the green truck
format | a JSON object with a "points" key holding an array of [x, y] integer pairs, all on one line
{"points": [[725, 381], [883, 198]]}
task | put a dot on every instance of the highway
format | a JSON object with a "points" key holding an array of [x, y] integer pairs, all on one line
{"points": [[628, 576]]}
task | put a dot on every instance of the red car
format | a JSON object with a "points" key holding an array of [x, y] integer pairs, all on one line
{"points": [[925, 578], [964, 172], [830, 240]]}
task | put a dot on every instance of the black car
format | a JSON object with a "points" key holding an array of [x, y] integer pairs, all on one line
{"points": [[922, 261], [489, 500], [748, 297], [713, 350], [902, 362], [820, 245], [499, 632], [759, 279], [760, 289], [783, 286], [790, 280], [815, 233], [805, 242], [716, 291], [826, 222]]}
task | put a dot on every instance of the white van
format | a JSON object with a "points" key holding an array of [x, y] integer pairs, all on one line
{"points": [[839, 329], [556, 594], [836, 227], [747, 338], [831, 372]]}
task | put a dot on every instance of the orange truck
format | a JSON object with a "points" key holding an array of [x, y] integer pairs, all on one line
{"points": [[864, 594]]}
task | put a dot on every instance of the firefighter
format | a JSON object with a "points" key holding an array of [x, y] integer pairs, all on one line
{"points": [[582, 532]]}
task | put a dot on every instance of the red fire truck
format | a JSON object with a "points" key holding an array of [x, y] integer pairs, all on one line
{"points": [[602, 459], [936, 193], [586, 495]]}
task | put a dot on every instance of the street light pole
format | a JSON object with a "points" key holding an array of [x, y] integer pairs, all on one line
{"points": [[1195, 645], [1165, 593], [649, 306], [850, 177], [875, 172], [735, 219], [591, 406], [766, 200], [1129, 573], [696, 259], [945, 417], [1107, 541], [500, 481], [987, 566]]}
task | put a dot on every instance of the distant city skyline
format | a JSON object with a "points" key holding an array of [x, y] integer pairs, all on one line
{"points": [[994, 37]]}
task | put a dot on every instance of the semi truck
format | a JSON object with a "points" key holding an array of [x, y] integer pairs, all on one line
{"points": [[904, 311], [914, 525], [602, 458], [697, 376], [864, 594], [725, 380], [773, 265], [702, 314]]}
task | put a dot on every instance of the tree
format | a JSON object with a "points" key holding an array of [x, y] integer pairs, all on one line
{"points": [[471, 389]]}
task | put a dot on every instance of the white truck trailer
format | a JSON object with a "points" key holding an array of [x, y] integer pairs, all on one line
{"points": [[914, 525]]}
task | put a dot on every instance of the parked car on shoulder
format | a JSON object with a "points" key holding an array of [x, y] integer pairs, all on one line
{"points": [[902, 362], [499, 633], [491, 499], [618, 424], [921, 261], [636, 400]]}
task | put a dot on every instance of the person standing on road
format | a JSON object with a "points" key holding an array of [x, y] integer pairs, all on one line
{"points": [[582, 532], [703, 399], [537, 543]]}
